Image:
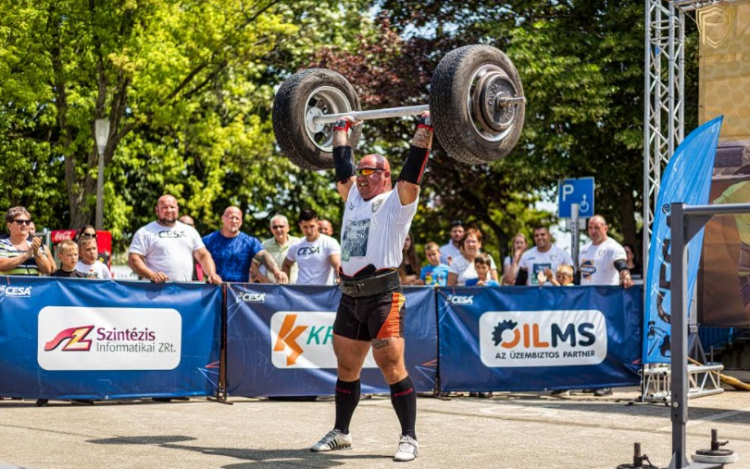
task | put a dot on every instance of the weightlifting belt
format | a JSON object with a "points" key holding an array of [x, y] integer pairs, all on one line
{"points": [[370, 284]]}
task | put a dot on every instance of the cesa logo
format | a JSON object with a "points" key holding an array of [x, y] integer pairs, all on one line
{"points": [[460, 299], [304, 339], [75, 337], [252, 297], [20, 292], [543, 338]]}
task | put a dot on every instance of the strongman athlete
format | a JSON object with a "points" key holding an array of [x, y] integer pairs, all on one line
{"points": [[376, 222]]}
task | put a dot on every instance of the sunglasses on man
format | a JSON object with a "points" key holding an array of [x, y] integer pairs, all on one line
{"points": [[367, 171]]}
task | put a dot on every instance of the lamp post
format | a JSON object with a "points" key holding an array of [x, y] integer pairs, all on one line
{"points": [[101, 133]]}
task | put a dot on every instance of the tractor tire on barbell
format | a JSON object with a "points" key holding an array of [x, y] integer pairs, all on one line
{"points": [[463, 93], [309, 93]]}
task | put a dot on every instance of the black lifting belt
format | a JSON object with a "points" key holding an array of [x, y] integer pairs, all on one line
{"points": [[372, 284]]}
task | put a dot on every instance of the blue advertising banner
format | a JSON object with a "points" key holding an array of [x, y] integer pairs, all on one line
{"points": [[534, 339], [98, 339], [279, 341], [687, 179]]}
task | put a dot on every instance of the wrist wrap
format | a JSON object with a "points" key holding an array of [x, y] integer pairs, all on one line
{"points": [[344, 163]]}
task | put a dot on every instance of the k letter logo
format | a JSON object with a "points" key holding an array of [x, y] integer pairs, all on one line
{"points": [[288, 335]]}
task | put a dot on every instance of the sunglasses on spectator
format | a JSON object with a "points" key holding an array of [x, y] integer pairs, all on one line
{"points": [[367, 171], [278, 227], [23, 222], [88, 235]]}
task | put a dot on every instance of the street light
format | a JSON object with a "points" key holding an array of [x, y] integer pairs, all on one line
{"points": [[101, 133]]}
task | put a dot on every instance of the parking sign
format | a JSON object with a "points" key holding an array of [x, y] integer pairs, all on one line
{"points": [[576, 191]]}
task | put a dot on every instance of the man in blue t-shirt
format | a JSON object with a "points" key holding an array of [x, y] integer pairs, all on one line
{"points": [[234, 251], [434, 273]]}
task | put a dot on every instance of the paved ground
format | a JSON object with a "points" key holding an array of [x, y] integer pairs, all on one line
{"points": [[509, 431]]}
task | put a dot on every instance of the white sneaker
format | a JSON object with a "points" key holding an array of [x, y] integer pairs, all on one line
{"points": [[408, 448], [333, 440]]}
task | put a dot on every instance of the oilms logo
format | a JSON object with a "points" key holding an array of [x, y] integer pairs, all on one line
{"points": [[542, 338], [304, 339]]}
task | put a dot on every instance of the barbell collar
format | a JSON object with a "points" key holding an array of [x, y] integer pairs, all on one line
{"points": [[373, 114], [509, 101]]}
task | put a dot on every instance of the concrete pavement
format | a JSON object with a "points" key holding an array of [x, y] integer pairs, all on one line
{"points": [[509, 431]]}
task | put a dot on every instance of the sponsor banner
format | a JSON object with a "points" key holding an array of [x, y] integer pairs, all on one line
{"points": [[112, 338], [91, 339], [303, 339], [280, 341], [542, 338], [687, 179], [537, 338]]}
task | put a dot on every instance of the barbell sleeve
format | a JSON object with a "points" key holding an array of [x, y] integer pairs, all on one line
{"points": [[373, 114]]}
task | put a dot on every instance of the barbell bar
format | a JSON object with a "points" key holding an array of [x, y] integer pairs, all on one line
{"points": [[397, 111]]}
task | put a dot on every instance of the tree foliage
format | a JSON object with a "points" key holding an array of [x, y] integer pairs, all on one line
{"points": [[581, 63], [187, 88]]}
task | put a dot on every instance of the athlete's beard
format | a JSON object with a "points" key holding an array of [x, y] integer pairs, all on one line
{"points": [[167, 222]]}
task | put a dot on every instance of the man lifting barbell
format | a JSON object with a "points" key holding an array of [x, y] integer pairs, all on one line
{"points": [[375, 225]]}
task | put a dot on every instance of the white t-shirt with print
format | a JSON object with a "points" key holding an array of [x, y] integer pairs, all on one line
{"points": [[168, 249], [534, 262], [313, 260], [596, 263], [465, 270], [374, 231], [100, 269]]}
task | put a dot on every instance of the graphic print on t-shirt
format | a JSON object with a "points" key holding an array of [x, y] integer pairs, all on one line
{"points": [[354, 240], [536, 269], [172, 234], [308, 251], [587, 268]]}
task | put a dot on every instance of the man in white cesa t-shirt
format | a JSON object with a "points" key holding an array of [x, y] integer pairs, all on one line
{"points": [[163, 250], [318, 256], [603, 262], [544, 255]]}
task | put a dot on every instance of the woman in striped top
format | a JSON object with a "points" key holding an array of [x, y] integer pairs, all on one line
{"points": [[20, 255]]}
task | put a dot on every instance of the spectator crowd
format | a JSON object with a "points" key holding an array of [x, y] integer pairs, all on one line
{"points": [[170, 249]]}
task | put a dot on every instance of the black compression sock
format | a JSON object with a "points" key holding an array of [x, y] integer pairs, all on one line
{"points": [[347, 398], [404, 400]]}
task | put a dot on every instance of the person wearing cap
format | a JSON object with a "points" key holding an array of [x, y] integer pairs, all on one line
{"points": [[451, 251]]}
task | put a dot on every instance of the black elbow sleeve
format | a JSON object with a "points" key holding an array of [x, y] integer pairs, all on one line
{"points": [[416, 162]]}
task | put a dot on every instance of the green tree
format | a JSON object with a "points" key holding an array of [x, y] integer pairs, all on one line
{"points": [[188, 89], [581, 63]]}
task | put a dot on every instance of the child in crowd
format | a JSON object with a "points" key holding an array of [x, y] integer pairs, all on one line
{"points": [[563, 278], [434, 273], [483, 265], [68, 253], [89, 264]]}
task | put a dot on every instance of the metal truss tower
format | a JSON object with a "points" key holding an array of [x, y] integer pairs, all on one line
{"points": [[664, 110], [663, 120]]}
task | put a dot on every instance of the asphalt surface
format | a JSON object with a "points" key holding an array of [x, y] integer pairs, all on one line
{"points": [[508, 431]]}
